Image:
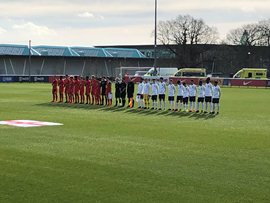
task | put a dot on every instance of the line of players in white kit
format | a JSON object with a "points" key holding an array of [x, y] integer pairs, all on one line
{"points": [[202, 98]]}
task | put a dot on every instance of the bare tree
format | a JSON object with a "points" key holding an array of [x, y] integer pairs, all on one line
{"points": [[264, 27], [165, 32], [186, 30], [250, 34], [200, 33]]}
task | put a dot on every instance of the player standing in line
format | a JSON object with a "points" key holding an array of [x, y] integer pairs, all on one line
{"points": [[117, 92], [61, 89], [77, 89], [87, 90], [123, 92], [130, 93], [201, 96], [103, 85], [140, 94], [162, 93], [82, 85], [180, 94], [154, 95], [185, 96], [54, 89], [71, 90], [208, 95], [146, 92], [216, 98], [171, 90], [109, 93], [66, 85], [93, 89], [98, 91], [192, 96]]}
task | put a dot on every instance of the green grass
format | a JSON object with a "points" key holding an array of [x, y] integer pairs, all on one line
{"points": [[114, 155]]}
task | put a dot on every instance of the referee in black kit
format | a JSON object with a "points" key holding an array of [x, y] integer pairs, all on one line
{"points": [[123, 92], [130, 92], [117, 92], [103, 85]]}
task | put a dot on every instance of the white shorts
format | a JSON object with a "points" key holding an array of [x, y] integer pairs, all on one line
{"points": [[110, 96]]}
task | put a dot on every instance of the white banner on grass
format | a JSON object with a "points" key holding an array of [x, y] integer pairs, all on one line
{"points": [[28, 123]]}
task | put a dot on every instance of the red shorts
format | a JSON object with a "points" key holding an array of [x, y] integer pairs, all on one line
{"points": [[61, 90], [87, 92], [54, 91], [71, 91], [97, 94], [77, 91], [82, 93]]}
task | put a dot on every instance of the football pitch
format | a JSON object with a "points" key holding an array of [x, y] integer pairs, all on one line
{"points": [[128, 155]]}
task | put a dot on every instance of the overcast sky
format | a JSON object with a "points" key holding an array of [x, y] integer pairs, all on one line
{"points": [[113, 22]]}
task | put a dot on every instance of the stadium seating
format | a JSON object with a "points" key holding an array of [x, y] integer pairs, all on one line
{"points": [[59, 60]]}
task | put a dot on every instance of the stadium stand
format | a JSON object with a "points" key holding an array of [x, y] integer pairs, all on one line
{"points": [[91, 52], [60, 60], [55, 51], [125, 53], [16, 50]]}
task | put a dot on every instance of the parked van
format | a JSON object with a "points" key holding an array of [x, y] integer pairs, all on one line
{"points": [[251, 73], [191, 72], [140, 73], [161, 72]]}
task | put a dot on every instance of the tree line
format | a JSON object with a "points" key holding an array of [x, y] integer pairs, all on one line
{"points": [[185, 29]]}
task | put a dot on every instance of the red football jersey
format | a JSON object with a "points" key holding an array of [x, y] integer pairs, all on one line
{"points": [[55, 84], [88, 86], [71, 87], [97, 87], [77, 86], [92, 86], [109, 88], [66, 85], [61, 86], [82, 84]]}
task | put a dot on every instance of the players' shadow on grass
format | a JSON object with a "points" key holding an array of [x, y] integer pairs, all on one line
{"points": [[146, 112], [203, 116], [72, 106]]}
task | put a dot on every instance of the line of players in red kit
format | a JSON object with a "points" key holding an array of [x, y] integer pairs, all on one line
{"points": [[79, 90]]}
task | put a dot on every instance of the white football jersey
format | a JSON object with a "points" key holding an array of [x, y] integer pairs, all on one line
{"points": [[192, 90], [180, 92], [154, 89], [208, 90], [185, 92], [140, 88], [146, 88], [216, 90], [201, 91], [171, 89], [162, 88]]}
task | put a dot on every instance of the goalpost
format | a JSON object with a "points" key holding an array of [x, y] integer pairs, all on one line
{"points": [[122, 71]]}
